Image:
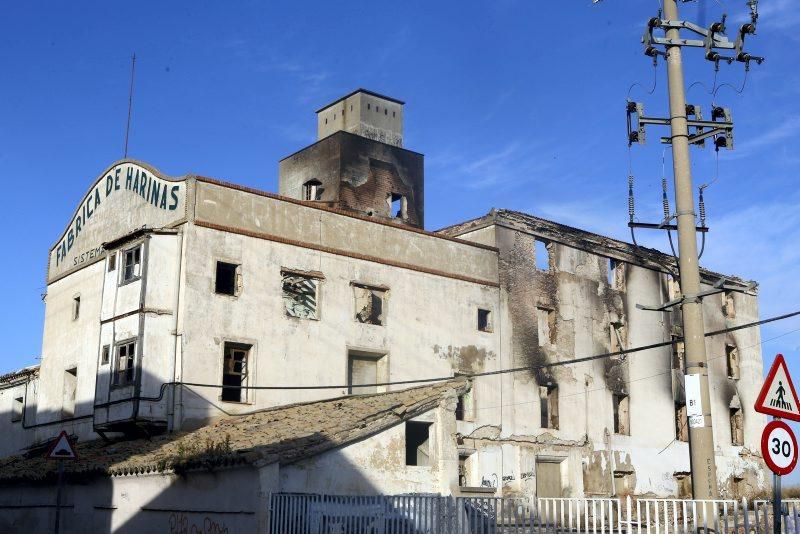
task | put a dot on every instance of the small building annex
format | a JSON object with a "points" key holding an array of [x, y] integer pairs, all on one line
{"points": [[175, 303]]}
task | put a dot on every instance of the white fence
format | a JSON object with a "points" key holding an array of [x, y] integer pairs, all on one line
{"points": [[432, 514]]}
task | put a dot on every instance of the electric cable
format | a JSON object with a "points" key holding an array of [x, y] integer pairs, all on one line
{"points": [[655, 81], [737, 91]]}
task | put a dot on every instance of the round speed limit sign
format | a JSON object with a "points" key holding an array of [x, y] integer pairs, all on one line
{"points": [[779, 447]]}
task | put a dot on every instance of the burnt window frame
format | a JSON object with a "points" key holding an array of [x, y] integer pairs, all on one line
{"points": [[312, 188], [547, 394], [129, 370], [402, 199], [245, 371], [317, 278], [383, 297], [617, 400]]}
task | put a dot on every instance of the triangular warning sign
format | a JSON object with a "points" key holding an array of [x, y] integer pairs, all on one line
{"points": [[62, 449], [778, 396]]}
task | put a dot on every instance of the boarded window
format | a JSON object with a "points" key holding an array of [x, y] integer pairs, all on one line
{"points": [[312, 190], [70, 389], [728, 307], [542, 250], [105, 355], [484, 320], [622, 418], [228, 278], [132, 264], [737, 427], [732, 357], [548, 396], [362, 373], [465, 407], [418, 443], [678, 354], [16, 409], [300, 295], [370, 304], [548, 479], [398, 205], [76, 307], [124, 371], [546, 326], [681, 424], [234, 372]]}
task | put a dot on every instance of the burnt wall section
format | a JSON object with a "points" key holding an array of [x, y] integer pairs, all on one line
{"points": [[360, 175]]}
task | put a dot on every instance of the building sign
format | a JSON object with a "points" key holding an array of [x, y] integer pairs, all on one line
{"points": [[694, 401], [125, 197]]}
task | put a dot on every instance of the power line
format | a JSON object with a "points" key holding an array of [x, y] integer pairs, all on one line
{"points": [[504, 371]]}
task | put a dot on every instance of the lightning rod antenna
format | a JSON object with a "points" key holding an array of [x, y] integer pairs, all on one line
{"points": [[130, 104]]}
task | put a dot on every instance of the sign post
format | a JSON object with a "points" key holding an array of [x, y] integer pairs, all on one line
{"points": [[778, 443], [61, 450]]}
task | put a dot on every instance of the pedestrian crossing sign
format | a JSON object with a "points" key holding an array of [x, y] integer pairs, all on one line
{"points": [[778, 396]]}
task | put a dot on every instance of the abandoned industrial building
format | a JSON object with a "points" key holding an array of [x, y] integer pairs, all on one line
{"points": [[207, 345]]}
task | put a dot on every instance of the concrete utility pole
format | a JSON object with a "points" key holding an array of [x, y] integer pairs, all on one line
{"points": [[701, 437]]}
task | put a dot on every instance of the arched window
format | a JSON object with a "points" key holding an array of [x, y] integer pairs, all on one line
{"points": [[312, 190]]}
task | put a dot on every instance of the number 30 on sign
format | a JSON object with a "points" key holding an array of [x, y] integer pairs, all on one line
{"points": [[779, 447]]}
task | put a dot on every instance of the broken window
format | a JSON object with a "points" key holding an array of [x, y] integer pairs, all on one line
{"points": [[678, 353], [617, 331], [70, 388], [16, 409], [228, 279], [417, 443], [616, 274], [673, 288], [728, 308], [681, 426], [106, 355], [312, 190], [234, 372], [465, 407], [398, 205], [463, 471], [484, 320], [622, 418], [732, 357], [542, 250], [737, 427], [683, 481], [132, 264], [300, 295], [112, 261], [546, 326], [369, 304], [624, 483], [548, 396], [126, 356], [362, 373], [76, 307]]}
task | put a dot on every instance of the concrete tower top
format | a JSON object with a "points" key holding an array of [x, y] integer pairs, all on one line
{"points": [[363, 113]]}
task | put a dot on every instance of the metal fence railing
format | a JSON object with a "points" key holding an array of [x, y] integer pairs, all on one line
{"points": [[434, 514]]}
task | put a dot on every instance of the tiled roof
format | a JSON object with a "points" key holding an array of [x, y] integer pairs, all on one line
{"points": [[284, 434]]}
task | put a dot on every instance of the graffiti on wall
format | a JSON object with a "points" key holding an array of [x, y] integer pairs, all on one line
{"points": [[179, 524]]}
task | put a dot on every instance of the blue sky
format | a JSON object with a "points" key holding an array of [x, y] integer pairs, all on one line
{"points": [[515, 104]]}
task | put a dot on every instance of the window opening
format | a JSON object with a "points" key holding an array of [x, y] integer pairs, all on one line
{"points": [[16, 409], [385, 111], [397, 205], [369, 303], [300, 295], [132, 264], [622, 421], [234, 372], [463, 471], [126, 356], [548, 395], [70, 388], [112, 261], [484, 320], [417, 443], [681, 427], [546, 326], [615, 274], [732, 357], [106, 355], [312, 190], [393, 113], [617, 331], [362, 373], [464, 407], [227, 278], [76, 307], [542, 250], [728, 307], [673, 288], [737, 427], [369, 106], [678, 353]]}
